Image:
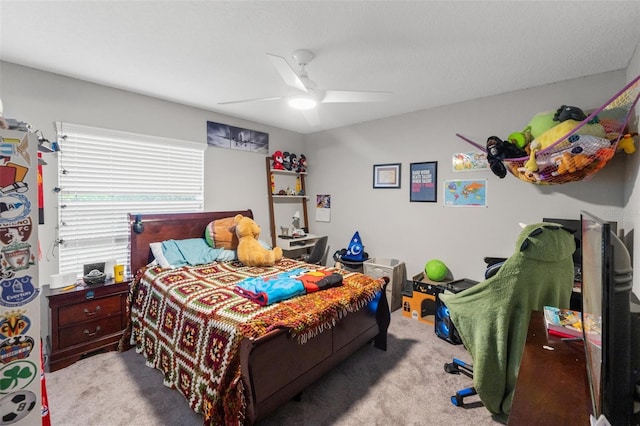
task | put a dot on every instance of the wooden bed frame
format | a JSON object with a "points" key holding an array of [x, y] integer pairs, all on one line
{"points": [[275, 368]]}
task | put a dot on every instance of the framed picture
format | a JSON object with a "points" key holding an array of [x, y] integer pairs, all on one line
{"points": [[386, 175], [424, 180]]}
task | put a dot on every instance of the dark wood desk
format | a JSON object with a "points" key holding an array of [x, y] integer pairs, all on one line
{"points": [[552, 386]]}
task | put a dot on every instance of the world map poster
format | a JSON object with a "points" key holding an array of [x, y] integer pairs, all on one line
{"points": [[465, 193]]}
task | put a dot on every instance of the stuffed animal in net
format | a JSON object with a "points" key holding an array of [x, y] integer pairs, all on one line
{"points": [[250, 251], [498, 150]]}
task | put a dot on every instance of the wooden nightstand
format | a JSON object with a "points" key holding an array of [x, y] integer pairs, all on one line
{"points": [[86, 320]]}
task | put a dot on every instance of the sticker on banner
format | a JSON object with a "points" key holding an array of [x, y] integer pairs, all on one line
{"points": [[14, 207], [18, 291], [14, 323], [16, 255], [16, 406], [17, 375], [15, 349]]}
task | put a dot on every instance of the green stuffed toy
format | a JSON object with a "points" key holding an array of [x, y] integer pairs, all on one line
{"points": [[492, 317], [541, 122]]}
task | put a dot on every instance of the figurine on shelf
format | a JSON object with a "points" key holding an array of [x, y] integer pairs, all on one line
{"points": [[302, 164], [296, 229], [287, 159], [294, 163], [278, 160]]}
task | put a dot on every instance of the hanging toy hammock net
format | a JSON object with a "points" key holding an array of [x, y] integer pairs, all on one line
{"points": [[578, 149]]}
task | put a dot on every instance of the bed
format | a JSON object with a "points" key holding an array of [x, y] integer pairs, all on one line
{"points": [[266, 358]]}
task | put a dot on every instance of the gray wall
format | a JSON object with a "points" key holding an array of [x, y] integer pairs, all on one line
{"points": [[340, 164], [392, 227], [234, 179]]}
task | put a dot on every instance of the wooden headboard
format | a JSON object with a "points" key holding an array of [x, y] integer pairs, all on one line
{"points": [[145, 229]]}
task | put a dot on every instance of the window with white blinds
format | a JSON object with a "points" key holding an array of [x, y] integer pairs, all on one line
{"points": [[105, 174]]}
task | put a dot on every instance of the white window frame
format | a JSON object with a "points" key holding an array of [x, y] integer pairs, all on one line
{"points": [[105, 174]]}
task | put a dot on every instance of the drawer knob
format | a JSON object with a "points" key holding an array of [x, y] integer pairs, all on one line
{"points": [[89, 313], [90, 334]]}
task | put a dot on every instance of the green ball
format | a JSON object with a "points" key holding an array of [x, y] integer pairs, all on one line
{"points": [[436, 270]]}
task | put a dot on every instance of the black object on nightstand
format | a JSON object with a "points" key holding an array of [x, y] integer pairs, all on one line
{"points": [[86, 320]]}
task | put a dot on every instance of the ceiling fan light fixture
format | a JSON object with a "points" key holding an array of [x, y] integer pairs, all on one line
{"points": [[302, 101]]}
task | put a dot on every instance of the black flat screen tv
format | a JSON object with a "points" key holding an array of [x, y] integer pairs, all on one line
{"points": [[609, 337]]}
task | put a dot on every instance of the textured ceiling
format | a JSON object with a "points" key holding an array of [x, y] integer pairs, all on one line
{"points": [[428, 53]]}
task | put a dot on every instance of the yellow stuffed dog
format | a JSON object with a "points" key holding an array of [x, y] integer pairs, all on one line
{"points": [[250, 251]]}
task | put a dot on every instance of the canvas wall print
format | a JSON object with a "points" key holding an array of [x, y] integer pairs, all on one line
{"points": [[218, 135], [231, 137]]}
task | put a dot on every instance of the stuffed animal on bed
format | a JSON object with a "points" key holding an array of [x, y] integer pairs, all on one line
{"points": [[250, 251]]}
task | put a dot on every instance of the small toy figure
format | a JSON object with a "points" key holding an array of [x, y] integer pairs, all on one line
{"points": [[278, 160], [286, 159], [566, 112], [498, 150], [627, 144], [302, 164], [294, 162]]}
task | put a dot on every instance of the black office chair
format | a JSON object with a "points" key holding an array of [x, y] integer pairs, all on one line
{"points": [[318, 253]]}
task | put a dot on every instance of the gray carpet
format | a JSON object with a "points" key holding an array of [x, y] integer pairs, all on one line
{"points": [[406, 385]]}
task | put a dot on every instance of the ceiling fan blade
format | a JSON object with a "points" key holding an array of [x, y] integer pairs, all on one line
{"points": [[312, 116], [355, 96], [273, 98], [286, 72]]}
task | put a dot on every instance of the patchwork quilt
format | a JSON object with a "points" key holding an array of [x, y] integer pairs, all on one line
{"points": [[189, 323]]}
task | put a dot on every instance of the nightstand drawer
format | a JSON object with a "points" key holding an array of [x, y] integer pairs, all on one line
{"points": [[86, 320], [89, 310], [89, 331]]}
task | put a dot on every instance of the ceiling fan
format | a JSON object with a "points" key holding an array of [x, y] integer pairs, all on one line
{"points": [[306, 95]]}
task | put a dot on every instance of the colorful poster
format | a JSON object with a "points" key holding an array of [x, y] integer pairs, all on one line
{"points": [[323, 208], [465, 193], [424, 177], [469, 161]]}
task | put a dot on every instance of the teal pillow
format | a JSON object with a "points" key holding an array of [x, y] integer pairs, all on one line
{"points": [[225, 255], [191, 251]]}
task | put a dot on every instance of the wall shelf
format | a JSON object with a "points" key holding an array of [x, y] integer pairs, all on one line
{"points": [[275, 198]]}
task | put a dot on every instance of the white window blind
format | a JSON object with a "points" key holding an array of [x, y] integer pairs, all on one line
{"points": [[105, 174]]}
